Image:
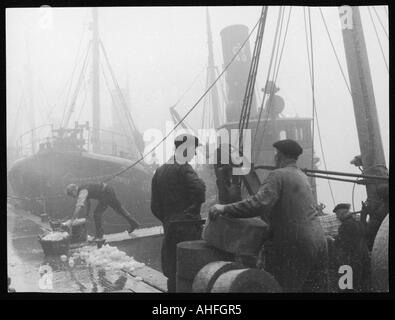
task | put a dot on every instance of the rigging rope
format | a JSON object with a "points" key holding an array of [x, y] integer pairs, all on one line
{"points": [[20, 105], [83, 102], [77, 58], [77, 90], [113, 100], [45, 99], [190, 86], [381, 23], [250, 88], [189, 111], [275, 43], [315, 115], [59, 97], [222, 86], [274, 79], [122, 99], [70, 79], [312, 79], [378, 39], [334, 51], [206, 116]]}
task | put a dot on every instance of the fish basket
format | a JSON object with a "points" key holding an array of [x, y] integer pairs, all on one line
{"points": [[56, 225], [79, 233], [54, 247]]}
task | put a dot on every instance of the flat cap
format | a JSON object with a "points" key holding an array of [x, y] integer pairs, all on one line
{"points": [[188, 138], [342, 206], [288, 147]]}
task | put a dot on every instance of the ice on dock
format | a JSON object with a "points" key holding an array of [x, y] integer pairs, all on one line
{"points": [[107, 257], [55, 236]]}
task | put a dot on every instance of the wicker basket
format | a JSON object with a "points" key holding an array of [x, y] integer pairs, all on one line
{"points": [[56, 225], [54, 248], [79, 233]]}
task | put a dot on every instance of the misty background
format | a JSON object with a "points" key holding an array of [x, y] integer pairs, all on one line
{"points": [[157, 52]]}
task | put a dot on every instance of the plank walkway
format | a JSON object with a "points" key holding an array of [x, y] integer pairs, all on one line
{"points": [[142, 280]]}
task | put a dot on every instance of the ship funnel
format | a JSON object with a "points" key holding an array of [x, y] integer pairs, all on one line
{"points": [[237, 74]]}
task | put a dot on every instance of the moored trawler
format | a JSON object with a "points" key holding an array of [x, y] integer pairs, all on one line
{"points": [[39, 180]]}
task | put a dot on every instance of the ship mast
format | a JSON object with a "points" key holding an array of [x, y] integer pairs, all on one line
{"points": [[95, 82], [211, 76], [30, 98], [365, 111]]}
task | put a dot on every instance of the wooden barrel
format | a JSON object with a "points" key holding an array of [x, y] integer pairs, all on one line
{"points": [[379, 260], [194, 255], [245, 280], [207, 276]]}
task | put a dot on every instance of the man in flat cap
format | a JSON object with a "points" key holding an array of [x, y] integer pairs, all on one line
{"points": [[350, 247], [296, 254], [177, 194]]}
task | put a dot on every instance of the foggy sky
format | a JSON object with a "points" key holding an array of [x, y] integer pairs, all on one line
{"points": [[158, 51]]}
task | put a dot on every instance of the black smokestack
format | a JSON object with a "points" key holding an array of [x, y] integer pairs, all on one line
{"points": [[237, 74]]}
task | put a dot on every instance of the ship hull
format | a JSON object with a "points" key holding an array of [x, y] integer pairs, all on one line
{"points": [[46, 174]]}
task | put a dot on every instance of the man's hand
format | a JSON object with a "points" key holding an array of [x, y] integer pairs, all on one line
{"points": [[215, 211]]}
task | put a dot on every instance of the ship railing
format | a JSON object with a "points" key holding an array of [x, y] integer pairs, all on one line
{"points": [[45, 136], [28, 142], [114, 143]]}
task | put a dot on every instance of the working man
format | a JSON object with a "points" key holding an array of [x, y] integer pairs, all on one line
{"points": [[297, 252], [106, 197], [350, 247], [228, 190], [377, 211], [376, 206], [176, 199]]}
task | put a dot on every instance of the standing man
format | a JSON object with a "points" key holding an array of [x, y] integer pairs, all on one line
{"points": [[351, 248], [297, 252], [106, 197], [228, 190], [176, 199]]}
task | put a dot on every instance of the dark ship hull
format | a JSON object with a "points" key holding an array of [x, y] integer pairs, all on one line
{"points": [[47, 173]]}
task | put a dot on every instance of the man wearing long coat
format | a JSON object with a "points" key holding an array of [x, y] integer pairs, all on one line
{"points": [[296, 255]]}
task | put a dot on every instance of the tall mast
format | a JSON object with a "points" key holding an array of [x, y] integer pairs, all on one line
{"points": [[95, 82], [211, 73], [365, 111], [30, 97]]}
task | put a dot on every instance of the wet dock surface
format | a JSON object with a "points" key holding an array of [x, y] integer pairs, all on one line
{"points": [[31, 271]]}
